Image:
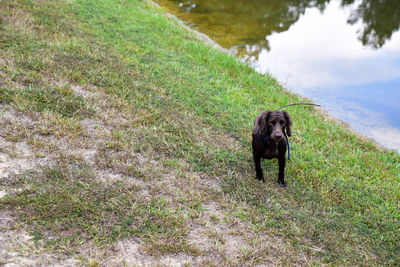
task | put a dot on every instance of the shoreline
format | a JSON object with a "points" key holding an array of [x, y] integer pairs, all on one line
{"points": [[205, 38]]}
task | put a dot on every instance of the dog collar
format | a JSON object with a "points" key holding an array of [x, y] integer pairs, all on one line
{"points": [[267, 139]]}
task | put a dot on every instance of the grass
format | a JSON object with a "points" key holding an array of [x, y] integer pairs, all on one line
{"points": [[88, 211], [148, 102], [57, 100]]}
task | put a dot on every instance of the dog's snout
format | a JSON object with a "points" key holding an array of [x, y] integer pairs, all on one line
{"points": [[277, 136]]}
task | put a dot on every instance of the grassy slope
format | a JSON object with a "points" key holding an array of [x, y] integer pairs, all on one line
{"points": [[162, 95]]}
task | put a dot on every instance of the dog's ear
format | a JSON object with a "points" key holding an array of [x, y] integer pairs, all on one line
{"points": [[261, 123], [264, 122], [288, 123]]}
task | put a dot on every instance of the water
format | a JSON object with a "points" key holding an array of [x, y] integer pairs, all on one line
{"points": [[343, 54]]}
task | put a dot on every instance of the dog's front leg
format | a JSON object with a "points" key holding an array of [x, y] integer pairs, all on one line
{"points": [[257, 162], [281, 175]]}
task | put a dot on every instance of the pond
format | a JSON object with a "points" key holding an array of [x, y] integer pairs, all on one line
{"points": [[342, 54]]}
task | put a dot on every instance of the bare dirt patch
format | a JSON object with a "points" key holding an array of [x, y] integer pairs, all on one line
{"points": [[17, 248]]}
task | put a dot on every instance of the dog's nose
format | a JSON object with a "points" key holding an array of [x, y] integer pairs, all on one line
{"points": [[279, 136]]}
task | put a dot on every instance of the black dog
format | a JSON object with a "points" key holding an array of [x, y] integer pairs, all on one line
{"points": [[269, 140]]}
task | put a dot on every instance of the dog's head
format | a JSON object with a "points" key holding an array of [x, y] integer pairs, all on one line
{"points": [[274, 124]]}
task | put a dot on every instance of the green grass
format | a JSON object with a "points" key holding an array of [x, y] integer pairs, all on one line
{"points": [[58, 100], [190, 110]]}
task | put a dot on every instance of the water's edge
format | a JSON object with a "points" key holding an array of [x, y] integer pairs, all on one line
{"points": [[205, 38]]}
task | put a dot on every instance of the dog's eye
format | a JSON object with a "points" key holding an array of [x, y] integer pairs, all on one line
{"points": [[282, 122]]}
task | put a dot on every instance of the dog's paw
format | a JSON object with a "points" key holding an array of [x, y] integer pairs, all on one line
{"points": [[260, 178], [282, 184]]}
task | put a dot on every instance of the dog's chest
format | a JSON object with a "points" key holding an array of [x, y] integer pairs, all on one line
{"points": [[270, 151]]}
